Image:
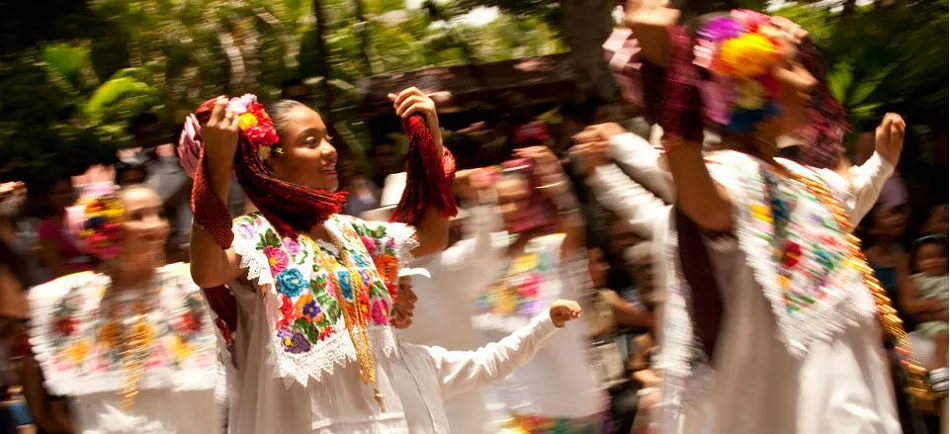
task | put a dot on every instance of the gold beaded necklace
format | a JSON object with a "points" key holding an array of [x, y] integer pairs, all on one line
{"points": [[352, 311], [890, 322], [135, 345]]}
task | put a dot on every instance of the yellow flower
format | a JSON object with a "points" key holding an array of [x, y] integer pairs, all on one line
{"points": [[246, 121], [77, 351], [181, 349], [749, 55]]}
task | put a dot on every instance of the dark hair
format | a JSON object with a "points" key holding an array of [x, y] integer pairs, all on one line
{"points": [[289, 207], [936, 240], [122, 168], [142, 120]]}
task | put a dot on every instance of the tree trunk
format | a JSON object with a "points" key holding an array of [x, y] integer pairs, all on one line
{"points": [[323, 63], [586, 24], [367, 67]]}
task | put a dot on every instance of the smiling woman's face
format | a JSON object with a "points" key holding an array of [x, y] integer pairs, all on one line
{"points": [[144, 226], [308, 157]]}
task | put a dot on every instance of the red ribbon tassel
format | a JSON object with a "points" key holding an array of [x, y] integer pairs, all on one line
{"points": [[429, 176]]}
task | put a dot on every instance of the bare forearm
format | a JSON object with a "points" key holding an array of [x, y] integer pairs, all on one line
{"points": [[432, 233], [654, 42], [700, 198]]}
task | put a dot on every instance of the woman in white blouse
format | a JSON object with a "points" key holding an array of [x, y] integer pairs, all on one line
{"points": [[132, 345]]}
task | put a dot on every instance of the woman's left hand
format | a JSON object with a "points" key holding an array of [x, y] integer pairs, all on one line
{"points": [[412, 101]]}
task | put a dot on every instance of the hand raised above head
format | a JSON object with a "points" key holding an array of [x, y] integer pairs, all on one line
{"points": [[220, 137], [889, 138]]}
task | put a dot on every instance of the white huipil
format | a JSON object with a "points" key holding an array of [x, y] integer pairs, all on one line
{"points": [[76, 334], [559, 382], [296, 365], [825, 375], [446, 306]]}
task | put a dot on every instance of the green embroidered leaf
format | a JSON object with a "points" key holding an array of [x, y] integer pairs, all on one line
{"points": [[271, 239]]}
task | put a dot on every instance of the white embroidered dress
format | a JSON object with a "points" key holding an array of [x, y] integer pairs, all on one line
{"points": [[558, 383], [799, 348], [75, 332], [297, 369]]}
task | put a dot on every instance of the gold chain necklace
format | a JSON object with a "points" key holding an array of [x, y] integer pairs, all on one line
{"points": [[352, 311], [135, 345], [890, 322]]}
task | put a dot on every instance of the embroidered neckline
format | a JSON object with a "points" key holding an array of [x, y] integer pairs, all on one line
{"points": [[76, 340], [306, 321]]}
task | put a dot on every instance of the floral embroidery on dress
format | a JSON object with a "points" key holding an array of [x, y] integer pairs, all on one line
{"points": [[517, 289], [309, 300], [78, 330]]}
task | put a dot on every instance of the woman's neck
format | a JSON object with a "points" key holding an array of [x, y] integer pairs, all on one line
{"points": [[129, 273]]}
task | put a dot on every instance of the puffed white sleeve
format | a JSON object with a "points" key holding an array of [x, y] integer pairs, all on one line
{"points": [[628, 199]]}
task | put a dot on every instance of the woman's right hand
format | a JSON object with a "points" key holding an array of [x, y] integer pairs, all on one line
{"points": [[220, 137], [649, 19]]}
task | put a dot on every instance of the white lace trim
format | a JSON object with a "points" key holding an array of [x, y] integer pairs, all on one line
{"points": [[72, 382], [337, 349]]}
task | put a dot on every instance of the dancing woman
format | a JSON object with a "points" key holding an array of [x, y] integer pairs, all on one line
{"points": [[545, 258], [771, 318], [132, 344], [314, 350]]}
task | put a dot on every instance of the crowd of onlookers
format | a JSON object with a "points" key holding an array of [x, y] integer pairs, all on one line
{"points": [[905, 239]]}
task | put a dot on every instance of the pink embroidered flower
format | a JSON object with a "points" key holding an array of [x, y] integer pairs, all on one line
{"points": [[529, 288], [292, 246], [380, 312], [370, 245], [277, 259]]}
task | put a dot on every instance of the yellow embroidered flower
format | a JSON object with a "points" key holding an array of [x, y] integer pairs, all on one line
{"points": [[109, 334], [760, 212], [524, 263], [181, 349], [77, 351], [749, 55], [247, 120]]}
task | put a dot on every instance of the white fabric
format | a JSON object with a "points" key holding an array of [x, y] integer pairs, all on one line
{"points": [[839, 384], [446, 306], [558, 382], [615, 190], [332, 397], [638, 158], [435, 374], [174, 396]]}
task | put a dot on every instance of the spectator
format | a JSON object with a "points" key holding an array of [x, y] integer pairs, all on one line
{"points": [[885, 254], [58, 252], [386, 161], [363, 193]]}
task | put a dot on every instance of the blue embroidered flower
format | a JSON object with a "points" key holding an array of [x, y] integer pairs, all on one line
{"points": [[290, 282], [359, 260], [346, 284], [293, 342], [311, 310], [824, 258]]}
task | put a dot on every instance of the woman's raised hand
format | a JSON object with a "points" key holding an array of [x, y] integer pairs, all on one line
{"points": [[412, 101], [889, 138], [220, 137], [649, 19]]}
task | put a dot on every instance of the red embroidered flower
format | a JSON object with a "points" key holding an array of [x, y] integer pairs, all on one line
{"points": [[286, 310], [793, 253], [66, 326], [190, 322]]}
